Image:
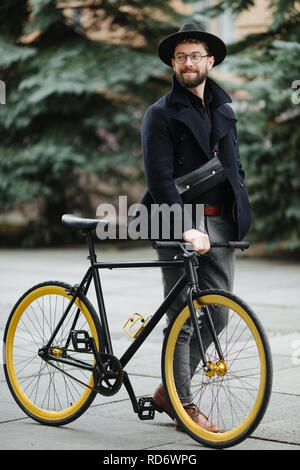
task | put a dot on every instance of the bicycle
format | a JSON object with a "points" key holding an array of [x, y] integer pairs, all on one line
{"points": [[58, 351]]}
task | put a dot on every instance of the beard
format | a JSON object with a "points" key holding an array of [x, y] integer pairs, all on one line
{"points": [[190, 82]]}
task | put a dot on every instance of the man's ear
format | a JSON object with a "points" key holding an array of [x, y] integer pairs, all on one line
{"points": [[211, 61], [173, 63]]}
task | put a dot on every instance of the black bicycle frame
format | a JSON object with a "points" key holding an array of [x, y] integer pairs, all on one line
{"points": [[188, 279], [93, 273]]}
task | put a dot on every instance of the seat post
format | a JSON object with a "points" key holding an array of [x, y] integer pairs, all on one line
{"points": [[90, 243]]}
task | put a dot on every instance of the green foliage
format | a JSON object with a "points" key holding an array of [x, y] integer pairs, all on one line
{"points": [[70, 128], [218, 7], [74, 106]]}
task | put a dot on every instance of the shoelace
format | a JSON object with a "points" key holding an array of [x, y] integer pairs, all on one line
{"points": [[189, 406], [192, 406]]}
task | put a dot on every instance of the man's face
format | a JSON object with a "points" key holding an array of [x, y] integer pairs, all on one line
{"points": [[191, 74]]}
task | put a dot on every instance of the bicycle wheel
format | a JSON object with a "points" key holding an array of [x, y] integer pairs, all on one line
{"points": [[50, 392], [235, 393]]}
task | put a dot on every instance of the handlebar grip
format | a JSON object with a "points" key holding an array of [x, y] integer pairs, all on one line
{"points": [[189, 246], [236, 245], [170, 244]]}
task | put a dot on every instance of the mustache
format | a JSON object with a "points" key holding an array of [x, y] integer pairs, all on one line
{"points": [[189, 70]]}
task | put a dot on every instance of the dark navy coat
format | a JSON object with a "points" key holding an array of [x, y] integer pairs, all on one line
{"points": [[173, 136]]}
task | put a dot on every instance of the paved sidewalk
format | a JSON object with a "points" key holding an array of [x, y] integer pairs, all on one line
{"points": [[271, 287]]}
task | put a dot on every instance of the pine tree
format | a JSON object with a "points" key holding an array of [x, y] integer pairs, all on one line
{"points": [[70, 128]]}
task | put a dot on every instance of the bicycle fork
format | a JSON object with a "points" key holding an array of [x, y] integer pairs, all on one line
{"points": [[192, 293]]}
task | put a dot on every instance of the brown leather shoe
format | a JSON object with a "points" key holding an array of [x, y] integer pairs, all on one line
{"points": [[162, 405], [161, 402], [200, 419]]}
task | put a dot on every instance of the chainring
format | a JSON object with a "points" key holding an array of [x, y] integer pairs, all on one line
{"points": [[110, 382]]}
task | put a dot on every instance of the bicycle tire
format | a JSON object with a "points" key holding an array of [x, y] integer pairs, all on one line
{"points": [[45, 393], [235, 401]]}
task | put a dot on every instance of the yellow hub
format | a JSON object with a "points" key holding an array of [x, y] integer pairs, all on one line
{"points": [[212, 369], [56, 351], [220, 368]]}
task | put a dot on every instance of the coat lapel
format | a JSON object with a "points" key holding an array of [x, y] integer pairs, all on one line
{"points": [[221, 125], [191, 118]]}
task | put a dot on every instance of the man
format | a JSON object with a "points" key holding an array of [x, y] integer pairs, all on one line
{"points": [[179, 134]]}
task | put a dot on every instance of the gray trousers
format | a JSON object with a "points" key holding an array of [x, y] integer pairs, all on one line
{"points": [[215, 271]]}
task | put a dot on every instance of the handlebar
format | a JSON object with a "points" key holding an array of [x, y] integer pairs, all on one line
{"points": [[189, 246]]}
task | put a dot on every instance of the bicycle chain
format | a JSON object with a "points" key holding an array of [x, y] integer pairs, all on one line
{"points": [[72, 377], [102, 389]]}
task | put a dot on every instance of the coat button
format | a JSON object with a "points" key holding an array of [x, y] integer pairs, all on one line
{"points": [[235, 140], [180, 160], [183, 136], [241, 185]]}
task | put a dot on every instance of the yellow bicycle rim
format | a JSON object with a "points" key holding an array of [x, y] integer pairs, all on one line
{"points": [[31, 407], [169, 377]]}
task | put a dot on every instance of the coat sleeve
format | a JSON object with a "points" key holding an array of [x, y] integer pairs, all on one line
{"points": [[227, 110], [241, 170], [158, 156]]}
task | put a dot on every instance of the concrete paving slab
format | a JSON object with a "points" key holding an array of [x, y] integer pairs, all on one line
{"points": [[250, 444], [281, 421], [101, 428], [287, 381], [269, 286], [86, 434]]}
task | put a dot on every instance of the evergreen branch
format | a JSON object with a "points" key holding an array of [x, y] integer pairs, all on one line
{"points": [[258, 40]]}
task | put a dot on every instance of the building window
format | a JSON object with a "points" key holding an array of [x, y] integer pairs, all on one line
{"points": [[227, 27]]}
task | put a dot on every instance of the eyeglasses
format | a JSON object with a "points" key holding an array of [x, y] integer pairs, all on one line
{"points": [[196, 57]]}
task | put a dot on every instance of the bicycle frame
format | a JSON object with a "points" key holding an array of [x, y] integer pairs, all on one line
{"points": [[188, 279]]}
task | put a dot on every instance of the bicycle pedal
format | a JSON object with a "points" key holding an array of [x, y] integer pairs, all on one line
{"points": [[146, 408], [81, 341]]}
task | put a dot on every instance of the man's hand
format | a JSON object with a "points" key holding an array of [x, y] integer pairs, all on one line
{"points": [[199, 240]]}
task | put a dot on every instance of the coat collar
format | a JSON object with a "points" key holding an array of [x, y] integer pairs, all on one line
{"points": [[179, 96], [187, 114]]}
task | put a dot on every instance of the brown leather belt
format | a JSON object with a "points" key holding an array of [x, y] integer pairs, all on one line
{"points": [[213, 210]]}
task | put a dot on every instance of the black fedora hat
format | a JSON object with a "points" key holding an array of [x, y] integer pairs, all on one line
{"points": [[216, 46]]}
